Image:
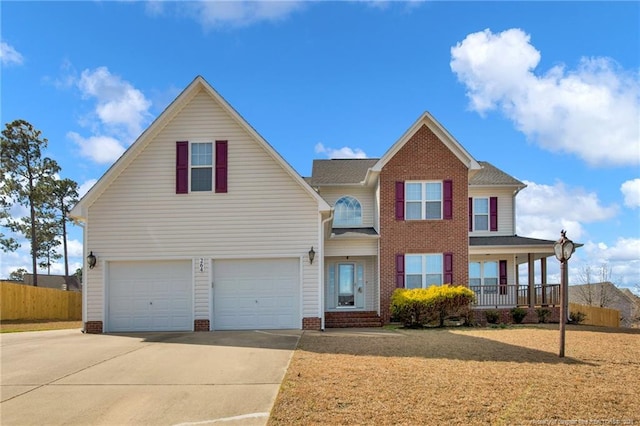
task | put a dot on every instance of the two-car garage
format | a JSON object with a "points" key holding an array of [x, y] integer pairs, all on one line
{"points": [[246, 294]]}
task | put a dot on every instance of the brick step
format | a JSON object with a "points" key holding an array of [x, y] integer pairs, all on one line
{"points": [[352, 319]]}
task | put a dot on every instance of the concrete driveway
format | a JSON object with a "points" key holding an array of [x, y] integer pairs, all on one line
{"points": [[66, 377]]}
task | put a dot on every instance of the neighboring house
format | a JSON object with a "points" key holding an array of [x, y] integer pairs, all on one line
{"points": [[607, 295], [59, 282], [202, 225]]}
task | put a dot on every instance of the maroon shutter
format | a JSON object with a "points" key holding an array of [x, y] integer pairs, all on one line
{"points": [[399, 270], [447, 199], [493, 213], [503, 277], [399, 200], [182, 167], [470, 214], [448, 268], [221, 166]]}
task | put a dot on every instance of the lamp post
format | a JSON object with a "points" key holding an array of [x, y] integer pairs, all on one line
{"points": [[563, 249]]}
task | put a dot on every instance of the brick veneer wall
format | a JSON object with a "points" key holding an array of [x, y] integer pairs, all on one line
{"points": [[311, 323], [93, 327], [201, 325], [423, 157]]}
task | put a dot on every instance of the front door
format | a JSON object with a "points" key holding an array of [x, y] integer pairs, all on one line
{"points": [[345, 285]]}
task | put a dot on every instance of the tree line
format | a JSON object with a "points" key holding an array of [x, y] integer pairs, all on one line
{"points": [[30, 180]]}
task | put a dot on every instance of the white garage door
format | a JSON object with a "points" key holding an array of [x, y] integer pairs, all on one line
{"points": [[150, 296], [256, 294]]}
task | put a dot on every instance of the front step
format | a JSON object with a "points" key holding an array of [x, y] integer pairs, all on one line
{"points": [[356, 319]]}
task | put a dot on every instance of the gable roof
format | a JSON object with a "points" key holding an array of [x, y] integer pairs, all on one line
{"points": [[79, 211], [341, 171], [447, 139], [491, 175]]}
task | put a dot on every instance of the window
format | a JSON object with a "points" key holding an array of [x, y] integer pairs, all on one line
{"points": [[484, 276], [348, 212], [481, 214], [201, 166], [423, 200], [423, 270]]}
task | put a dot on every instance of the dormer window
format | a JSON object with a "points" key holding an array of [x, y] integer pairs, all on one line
{"points": [[347, 212]]}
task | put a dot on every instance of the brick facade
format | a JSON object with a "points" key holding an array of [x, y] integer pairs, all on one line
{"points": [[201, 325], [423, 157], [311, 323], [93, 327]]}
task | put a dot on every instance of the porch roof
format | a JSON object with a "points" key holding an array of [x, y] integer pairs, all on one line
{"points": [[510, 240], [354, 232]]}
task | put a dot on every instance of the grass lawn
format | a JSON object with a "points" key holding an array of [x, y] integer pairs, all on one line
{"points": [[466, 376], [9, 326]]}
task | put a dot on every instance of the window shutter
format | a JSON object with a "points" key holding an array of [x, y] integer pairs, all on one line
{"points": [[400, 271], [182, 167], [221, 166], [399, 200], [448, 268], [447, 198], [503, 277], [470, 214], [493, 213]]}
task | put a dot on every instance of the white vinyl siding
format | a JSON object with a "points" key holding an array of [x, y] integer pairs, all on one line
{"points": [[365, 195], [351, 247], [265, 213], [506, 219]]}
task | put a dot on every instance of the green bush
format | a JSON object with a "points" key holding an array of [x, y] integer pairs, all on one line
{"points": [[518, 315], [577, 317], [492, 316], [543, 313], [422, 306]]}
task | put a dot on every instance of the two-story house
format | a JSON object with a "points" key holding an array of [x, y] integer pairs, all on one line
{"points": [[202, 225]]}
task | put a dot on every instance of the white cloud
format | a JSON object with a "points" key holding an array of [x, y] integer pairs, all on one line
{"points": [[344, 152], [544, 210], [631, 191], [9, 55], [119, 104], [592, 111], [622, 259], [86, 186], [100, 149], [216, 14]]}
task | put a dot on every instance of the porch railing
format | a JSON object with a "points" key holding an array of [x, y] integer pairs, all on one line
{"points": [[516, 295]]}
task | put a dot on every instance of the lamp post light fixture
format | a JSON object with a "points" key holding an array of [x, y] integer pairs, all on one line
{"points": [[312, 255], [563, 249], [91, 260]]}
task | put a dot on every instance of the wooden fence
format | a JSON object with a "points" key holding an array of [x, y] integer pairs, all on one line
{"points": [[24, 302], [597, 316]]}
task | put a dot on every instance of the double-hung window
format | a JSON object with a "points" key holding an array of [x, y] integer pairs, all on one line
{"points": [[480, 214], [423, 270], [423, 200], [201, 166]]}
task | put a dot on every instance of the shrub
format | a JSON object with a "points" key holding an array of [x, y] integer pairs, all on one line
{"points": [[577, 317], [543, 313], [518, 315], [421, 306], [492, 316]]}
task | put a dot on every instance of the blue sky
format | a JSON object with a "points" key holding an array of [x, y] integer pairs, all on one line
{"points": [[547, 91]]}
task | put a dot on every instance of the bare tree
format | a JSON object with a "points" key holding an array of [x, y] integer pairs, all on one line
{"points": [[596, 293]]}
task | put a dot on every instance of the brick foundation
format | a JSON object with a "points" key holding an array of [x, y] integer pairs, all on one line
{"points": [[93, 327], [479, 318], [201, 325], [311, 323]]}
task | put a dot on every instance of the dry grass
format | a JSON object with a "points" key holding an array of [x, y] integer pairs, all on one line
{"points": [[11, 326], [462, 376]]}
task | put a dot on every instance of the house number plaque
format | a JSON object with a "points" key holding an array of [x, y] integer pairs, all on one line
{"points": [[201, 264]]}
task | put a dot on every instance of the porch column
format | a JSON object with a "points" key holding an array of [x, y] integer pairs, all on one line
{"points": [[543, 273], [531, 292]]}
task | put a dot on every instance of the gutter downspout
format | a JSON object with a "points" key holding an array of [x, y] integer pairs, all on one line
{"points": [[321, 266]]}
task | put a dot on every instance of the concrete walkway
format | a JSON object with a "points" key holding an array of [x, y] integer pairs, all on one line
{"points": [[66, 377]]}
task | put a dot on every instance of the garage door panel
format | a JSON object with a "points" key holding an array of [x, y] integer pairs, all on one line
{"points": [[150, 296], [256, 294]]}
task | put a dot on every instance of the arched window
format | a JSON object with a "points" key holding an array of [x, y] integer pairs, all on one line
{"points": [[347, 212]]}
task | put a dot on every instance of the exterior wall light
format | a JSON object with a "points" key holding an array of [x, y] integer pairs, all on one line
{"points": [[91, 260], [312, 255]]}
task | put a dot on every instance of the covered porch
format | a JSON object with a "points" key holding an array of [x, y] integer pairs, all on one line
{"points": [[494, 272]]}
